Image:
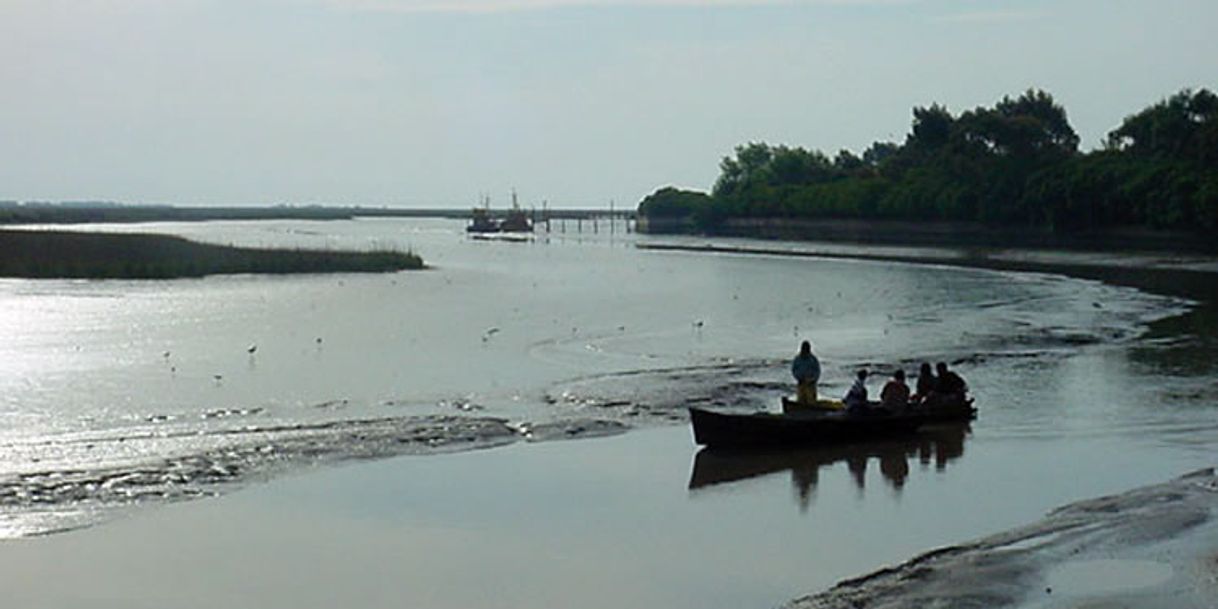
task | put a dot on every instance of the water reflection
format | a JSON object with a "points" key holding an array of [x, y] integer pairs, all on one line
{"points": [[939, 445]]}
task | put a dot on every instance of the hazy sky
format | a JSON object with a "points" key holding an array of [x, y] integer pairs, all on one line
{"points": [[431, 102]]}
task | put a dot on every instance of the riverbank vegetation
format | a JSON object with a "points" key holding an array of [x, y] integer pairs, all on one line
{"points": [[87, 212], [62, 254], [1013, 165]]}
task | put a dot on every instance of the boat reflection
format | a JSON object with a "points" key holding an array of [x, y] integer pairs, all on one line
{"points": [[938, 445]]}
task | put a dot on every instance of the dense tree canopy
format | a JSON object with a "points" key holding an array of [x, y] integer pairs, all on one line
{"points": [[669, 202], [1184, 126], [1015, 164]]}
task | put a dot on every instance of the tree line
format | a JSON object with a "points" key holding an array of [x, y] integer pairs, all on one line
{"points": [[1016, 164]]}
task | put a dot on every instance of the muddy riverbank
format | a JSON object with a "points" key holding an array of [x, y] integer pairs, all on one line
{"points": [[1154, 547]]}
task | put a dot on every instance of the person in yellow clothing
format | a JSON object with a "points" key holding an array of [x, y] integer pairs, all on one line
{"points": [[806, 370]]}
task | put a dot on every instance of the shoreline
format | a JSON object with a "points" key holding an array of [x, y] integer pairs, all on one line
{"points": [[934, 233], [1193, 277]]}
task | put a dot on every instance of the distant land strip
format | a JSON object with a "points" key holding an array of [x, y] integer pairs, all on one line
{"points": [[12, 212], [64, 254]]}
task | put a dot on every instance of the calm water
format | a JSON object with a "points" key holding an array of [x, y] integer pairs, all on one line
{"points": [[120, 394]]}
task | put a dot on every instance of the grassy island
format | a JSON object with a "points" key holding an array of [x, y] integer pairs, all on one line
{"points": [[63, 254]]}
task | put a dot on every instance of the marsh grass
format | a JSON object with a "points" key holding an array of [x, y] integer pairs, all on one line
{"points": [[63, 254]]}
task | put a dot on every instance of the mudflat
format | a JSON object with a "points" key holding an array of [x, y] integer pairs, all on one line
{"points": [[1151, 547]]}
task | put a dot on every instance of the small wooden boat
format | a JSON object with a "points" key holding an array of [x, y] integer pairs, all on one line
{"points": [[956, 412], [790, 406], [938, 412], [811, 429]]}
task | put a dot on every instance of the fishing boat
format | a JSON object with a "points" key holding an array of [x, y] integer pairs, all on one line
{"points": [[509, 237], [815, 428], [946, 412], [481, 221], [516, 221], [791, 406], [939, 412], [809, 429]]}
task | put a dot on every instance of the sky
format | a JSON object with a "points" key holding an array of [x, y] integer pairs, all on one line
{"points": [[578, 103]]}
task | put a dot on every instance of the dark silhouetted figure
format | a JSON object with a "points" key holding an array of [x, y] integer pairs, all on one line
{"points": [[950, 388], [926, 383], [856, 397], [806, 370], [895, 394]]}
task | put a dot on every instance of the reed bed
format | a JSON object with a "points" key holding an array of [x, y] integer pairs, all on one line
{"points": [[64, 254]]}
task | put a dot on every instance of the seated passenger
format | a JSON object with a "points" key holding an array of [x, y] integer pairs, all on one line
{"points": [[950, 389], [895, 395], [926, 384], [856, 397]]}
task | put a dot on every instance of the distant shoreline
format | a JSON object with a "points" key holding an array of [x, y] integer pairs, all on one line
{"points": [[60, 213], [83, 255], [937, 233], [1153, 275]]}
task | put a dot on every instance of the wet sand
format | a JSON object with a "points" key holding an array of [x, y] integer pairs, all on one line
{"points": [[515, 526], [1152, 547]]}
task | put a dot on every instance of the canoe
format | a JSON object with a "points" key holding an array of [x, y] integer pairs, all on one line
{"points": [[790, 406], [946, 412], [811, 429], [942, 412]]}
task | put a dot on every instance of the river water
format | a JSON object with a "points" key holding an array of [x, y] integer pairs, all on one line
{"points": [[119, 396]]}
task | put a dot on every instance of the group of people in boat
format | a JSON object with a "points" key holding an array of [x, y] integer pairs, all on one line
{"points": [[940, 387]]}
